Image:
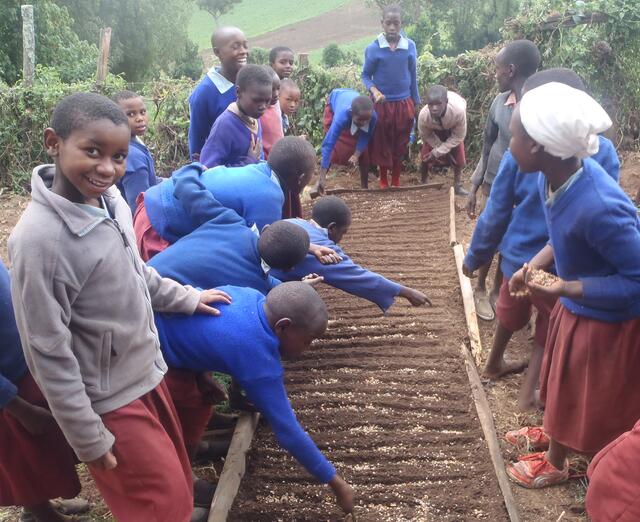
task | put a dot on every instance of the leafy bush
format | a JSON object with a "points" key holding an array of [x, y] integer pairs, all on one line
{"points": [[332, 55], [259, 56]]}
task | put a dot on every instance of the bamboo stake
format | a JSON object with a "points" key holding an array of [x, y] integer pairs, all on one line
{"points": [[234, 467], [103, 56], [28, 45], [489, 430], [469, 306], [452, 217]]}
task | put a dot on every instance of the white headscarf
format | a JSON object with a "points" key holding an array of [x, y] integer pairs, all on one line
{"points": [[564, 120]]}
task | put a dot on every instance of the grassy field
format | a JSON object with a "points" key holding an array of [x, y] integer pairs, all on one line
{"points": [[256, 17], [357, 46]]}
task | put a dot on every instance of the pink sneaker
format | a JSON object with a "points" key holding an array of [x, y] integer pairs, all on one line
{"points": [[529, 439], [534, 471]]}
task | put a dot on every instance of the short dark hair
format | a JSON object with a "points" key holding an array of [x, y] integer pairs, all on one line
{"points": [[125, 95], [77, 110], [288, 83], [331, 209], [292, 156], [559, 74], [283, 245], [273, 53], [252, 74], [361, 104], [393, 8], [437, 92], [272, 73], [524, 54], [301, 303]]}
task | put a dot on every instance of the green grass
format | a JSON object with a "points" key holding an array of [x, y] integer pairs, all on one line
{"points": [[256, 17], [358, 46]]}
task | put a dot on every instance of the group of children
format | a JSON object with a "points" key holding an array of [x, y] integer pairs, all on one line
{"points": [[568, 239]]}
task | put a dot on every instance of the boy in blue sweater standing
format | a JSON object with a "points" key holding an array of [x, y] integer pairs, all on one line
{"points": [[389, 73], [247, 341], [349, 123], [141, 172], [513, 221], [591, 361], [216, 90], [331, 219]]}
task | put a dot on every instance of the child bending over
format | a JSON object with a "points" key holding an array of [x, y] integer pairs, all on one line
{"points": [[289, 102], [236, 136], [141, 172], [247, 342], [83, 301], [591, 360], [271, 120], [216, 90], [281, 60]]}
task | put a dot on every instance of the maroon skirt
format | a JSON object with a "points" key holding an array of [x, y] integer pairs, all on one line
{"points": [[34, 468], [346, 145], [392, 133], [589, 380]]}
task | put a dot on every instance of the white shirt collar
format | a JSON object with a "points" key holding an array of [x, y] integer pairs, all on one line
{"points": [[402, 44], [222, 84], [355, 128]]}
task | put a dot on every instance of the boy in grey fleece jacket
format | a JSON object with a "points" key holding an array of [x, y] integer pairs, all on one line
{"points": [[84, 304]]}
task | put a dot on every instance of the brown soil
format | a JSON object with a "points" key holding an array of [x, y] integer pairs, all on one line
{"points": [[386, 398]]}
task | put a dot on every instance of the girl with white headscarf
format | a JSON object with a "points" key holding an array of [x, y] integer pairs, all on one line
{"points": [[592, 356]]}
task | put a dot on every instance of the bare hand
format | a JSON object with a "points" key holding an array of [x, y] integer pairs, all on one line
{"points": [[212, 296], [34, 419], [517, 283], [415, 297], [471, 204], [105, 463], [212, 391], [468, 272], [255, 148], [312, 279], [345, 496], [378, 97], [354, 159], [326, 255]]}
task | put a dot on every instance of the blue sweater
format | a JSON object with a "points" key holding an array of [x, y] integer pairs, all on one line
{"points": [[206, 103], [513, 220], [346, 275], [140, 173], [340, 102], [394, 73], [221, 251], [12, 364], [595, 235], [241, 343], [229, 142], [253, 191]]}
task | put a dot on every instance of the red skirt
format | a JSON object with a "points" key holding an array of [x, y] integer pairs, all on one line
{"points": [[34, 468], [614, 480], [346, 145], [392, 133], [193, 412], [148, 241], [589, 380], [457, 154]]}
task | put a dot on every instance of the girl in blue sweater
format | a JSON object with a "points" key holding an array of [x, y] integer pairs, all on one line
{"points": [[592, 356], [389, 73]]}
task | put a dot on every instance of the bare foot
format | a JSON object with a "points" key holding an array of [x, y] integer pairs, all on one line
{"points": [[505, 368]]}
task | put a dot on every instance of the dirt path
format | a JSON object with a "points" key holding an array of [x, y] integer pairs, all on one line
{"points": [[386, 398], [345, 24]]}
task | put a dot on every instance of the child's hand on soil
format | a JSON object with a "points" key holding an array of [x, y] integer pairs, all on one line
{"points": [[105, 463], [415, 297], [345, 496], [34, 419], [326, 255], [212, 296], [312, 279], [212, 391], [353, 160]]}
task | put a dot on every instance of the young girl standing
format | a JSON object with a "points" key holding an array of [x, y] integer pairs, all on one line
{"points": [[592, 356], [390, 75]]}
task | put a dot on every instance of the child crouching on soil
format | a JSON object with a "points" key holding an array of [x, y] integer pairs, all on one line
{"points": [[247, 341], [83, 302], [591, 361]]}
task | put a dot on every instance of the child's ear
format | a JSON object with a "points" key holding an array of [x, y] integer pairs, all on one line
{"points": [[536, 148], [331, 227], [265, 228], [512, 70], [281, 325], [51, 142], [216, 51]]}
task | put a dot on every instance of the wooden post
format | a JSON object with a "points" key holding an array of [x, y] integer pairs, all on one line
{"points": [[452, 217], [303, 60], [234, 467], [103, 55], [489, 430], [28, 45], [469, 306]]}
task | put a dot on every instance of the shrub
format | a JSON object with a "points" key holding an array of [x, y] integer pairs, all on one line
{"points": [[332, 55]]}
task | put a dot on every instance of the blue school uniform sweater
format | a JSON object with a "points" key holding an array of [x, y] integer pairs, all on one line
{"points": [[394, 73], [228, 143], [12, 363], [340, 102], [209, 99], [513, 220], [139, 175], [221, 251], [241, 343], [346, 275], [595, 234], [253, 191]]}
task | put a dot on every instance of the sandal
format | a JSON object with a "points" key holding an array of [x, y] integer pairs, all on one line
{"points": [[484, 310]]}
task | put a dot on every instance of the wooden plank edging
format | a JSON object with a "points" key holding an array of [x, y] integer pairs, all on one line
{"points": [[469, 306], [426, 186]]}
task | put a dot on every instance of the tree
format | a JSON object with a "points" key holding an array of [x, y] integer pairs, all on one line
{"points": [[217, 8]]}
